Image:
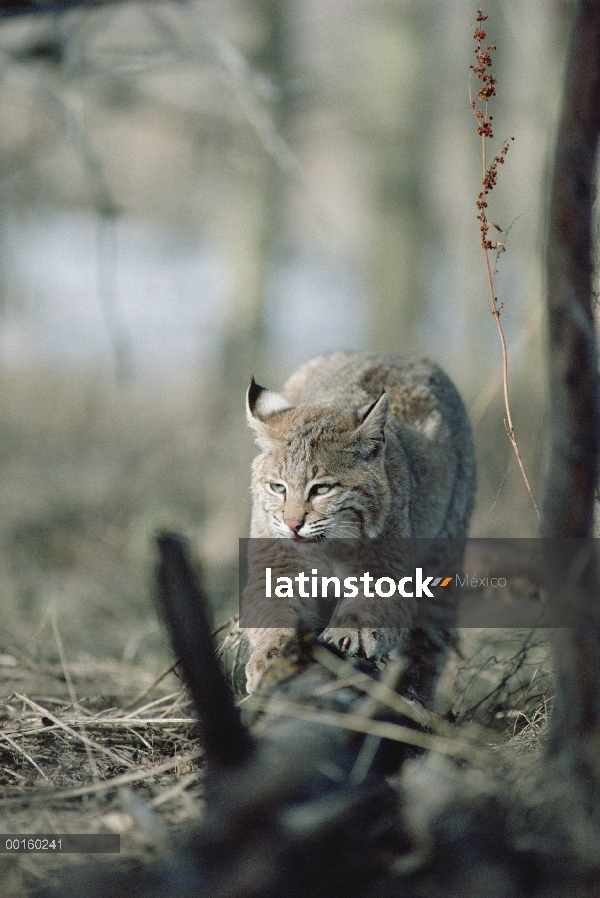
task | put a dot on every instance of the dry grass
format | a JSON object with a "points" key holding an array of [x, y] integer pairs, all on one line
{"points": [[499, 678], [80, 746], [83, 765]]}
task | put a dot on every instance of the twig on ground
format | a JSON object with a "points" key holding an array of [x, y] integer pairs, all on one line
{"points": [[230, 622], [71, 688], [45, 713], [176, 790], [396, 702], [94, 788], [149, 688], [159, 701], [22, 751]]}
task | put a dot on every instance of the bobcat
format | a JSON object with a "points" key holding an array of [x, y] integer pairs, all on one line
{"points": [[361, 446]]}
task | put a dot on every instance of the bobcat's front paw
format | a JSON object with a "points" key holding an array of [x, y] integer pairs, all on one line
{"points": [[365, 642], [344, 639]]}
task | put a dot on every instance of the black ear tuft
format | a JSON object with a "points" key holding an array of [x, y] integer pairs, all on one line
{"points": [[254, 391], [372, 417], [262, 403], [365, 411]]}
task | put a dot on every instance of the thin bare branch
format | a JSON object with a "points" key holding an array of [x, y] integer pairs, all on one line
{"points": [[496, 382]]}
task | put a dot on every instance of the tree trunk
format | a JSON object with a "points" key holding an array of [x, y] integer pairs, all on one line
{"points": [[575, 413]]}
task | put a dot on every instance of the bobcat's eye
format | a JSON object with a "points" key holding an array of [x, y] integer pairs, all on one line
{"points": [[278, 488], [322, 489]]}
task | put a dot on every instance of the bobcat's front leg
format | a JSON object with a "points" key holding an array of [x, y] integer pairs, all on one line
{"points": [[266, 647]]}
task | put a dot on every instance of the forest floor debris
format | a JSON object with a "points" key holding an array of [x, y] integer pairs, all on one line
{"points": [[82, 766]]}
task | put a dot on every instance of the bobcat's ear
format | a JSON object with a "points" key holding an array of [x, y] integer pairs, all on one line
{"points": [[260, 404], [373, 417]]}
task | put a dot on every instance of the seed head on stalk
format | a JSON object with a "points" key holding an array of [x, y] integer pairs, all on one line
{"points": [[481, 110]]}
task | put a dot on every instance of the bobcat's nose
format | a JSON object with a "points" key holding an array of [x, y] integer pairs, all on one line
{"points": [[293, 525]]}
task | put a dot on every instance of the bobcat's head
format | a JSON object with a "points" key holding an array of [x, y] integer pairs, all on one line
{"points": [[321, 472]]}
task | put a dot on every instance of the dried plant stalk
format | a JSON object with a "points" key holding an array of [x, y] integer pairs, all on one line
{"points": [[489, 180]]}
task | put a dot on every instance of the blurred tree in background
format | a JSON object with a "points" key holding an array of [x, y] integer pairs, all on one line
{"points": [[192, 193]]}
